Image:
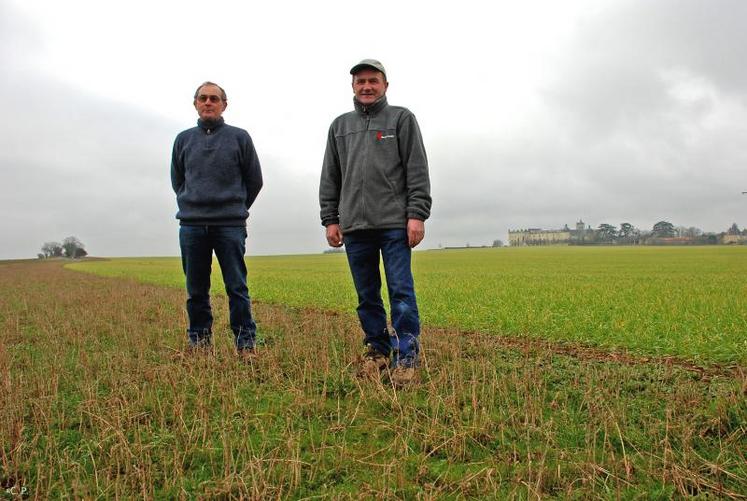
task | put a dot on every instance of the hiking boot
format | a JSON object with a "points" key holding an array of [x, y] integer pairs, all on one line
{"points": [[200, 340], [247, 355], [404, 374], [373, 363], [202, 347]]}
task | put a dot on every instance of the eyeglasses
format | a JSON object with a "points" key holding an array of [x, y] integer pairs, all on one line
{"points": [[213, 98]]}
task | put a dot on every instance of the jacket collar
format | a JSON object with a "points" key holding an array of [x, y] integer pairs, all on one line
{"points": [[210, 125], [371, 109]]}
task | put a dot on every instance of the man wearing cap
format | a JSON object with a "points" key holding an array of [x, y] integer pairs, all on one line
{"points": [[374, 196], [216, 176]]}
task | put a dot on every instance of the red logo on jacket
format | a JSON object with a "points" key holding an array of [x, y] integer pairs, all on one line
{"points": [[380, 136]]}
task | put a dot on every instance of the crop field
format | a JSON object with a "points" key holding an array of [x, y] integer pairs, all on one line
{"points": [[570, 373], [685, 302]]}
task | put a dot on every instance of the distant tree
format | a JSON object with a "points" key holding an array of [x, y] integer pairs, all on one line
{"points": [[73, 247], [663, 229], [40, 256], [52, 249], [688, 231], [710, 238], [497, 243], [626, 230], [733, 230], [606, 232]]}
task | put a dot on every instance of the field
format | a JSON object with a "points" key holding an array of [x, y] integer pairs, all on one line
{"points": [[548, 373], [685, 302]]}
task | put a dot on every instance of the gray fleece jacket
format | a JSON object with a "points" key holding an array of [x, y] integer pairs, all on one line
{"points": [[375, 171], [215, 174]]}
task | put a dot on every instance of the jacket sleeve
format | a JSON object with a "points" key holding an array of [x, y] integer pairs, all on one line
{"points": [[330, 183], [251, 171], [415, 163], [177, 167]]}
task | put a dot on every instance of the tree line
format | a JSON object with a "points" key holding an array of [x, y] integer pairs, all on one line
{"points": [[660, 232], [71, 247]]}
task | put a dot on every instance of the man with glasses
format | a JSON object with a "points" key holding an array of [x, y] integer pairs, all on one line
{"points": [[216, 176], [375, 197]]}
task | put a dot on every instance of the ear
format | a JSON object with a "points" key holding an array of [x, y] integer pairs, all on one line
{"points": [[225, 105]]}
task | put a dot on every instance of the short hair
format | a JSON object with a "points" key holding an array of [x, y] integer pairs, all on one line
{"points": [[208, 82]]}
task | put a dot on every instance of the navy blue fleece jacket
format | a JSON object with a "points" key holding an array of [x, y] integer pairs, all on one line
{"points": [[215, 174]]}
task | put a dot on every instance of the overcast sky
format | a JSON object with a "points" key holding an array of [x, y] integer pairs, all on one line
{"points": [[533, 113]]}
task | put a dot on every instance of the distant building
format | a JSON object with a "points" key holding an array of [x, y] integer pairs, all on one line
{"points": [[564, 236], [733, 239]]}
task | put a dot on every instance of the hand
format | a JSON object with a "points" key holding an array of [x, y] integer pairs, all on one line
{"points": [[334, 235], [415, 231]]}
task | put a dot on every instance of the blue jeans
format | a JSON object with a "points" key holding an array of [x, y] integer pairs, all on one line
{"points": [[363, 249], [229, 243]]}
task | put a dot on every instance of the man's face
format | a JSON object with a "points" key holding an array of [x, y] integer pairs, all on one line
{"points": [[369, 85], [209, 103]]}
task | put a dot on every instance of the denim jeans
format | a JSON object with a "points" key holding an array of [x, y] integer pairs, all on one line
{"points": [[363, 249], [229, 243]]}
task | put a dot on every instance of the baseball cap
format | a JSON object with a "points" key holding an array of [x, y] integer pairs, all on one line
{"points": [[368, 63]]}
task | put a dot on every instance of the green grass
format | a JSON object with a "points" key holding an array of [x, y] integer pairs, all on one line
{"points": [[688, 302], [98, 399]]}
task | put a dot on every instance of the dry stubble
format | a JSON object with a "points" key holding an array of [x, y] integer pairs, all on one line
{"points": [[100, 399]]}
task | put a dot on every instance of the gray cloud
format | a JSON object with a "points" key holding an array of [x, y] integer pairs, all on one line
{"points": [[642, 116], [644, 120], [74, 164], [77, 165]]}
